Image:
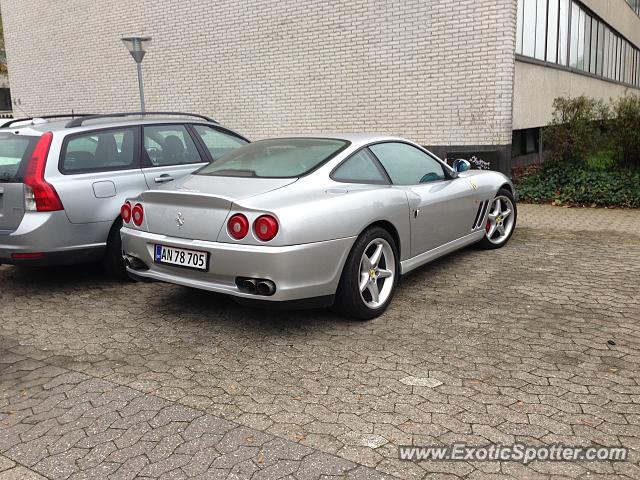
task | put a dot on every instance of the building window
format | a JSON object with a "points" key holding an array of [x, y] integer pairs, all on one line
{"points": [[573, 51], [565, 32], [563, 43], [594, 46], [5, 99], [541, 29], [529, 28], [525, 142], [552, 32]]}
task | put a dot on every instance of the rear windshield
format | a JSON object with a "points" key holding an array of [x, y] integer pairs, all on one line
{"points": [[15, 151], [276, 158]]}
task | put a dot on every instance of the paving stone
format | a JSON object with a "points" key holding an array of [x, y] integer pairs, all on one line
{"points": [[20, 473], [6, 464]]}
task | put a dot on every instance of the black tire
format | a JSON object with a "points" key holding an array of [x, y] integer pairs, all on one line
{"points": [[113, 262], [349, 301], [485, 243]]}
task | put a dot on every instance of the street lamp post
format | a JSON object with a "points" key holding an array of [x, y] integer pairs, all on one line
{"points": [[136, 47]]}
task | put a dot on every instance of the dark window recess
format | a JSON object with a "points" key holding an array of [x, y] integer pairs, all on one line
{"points": [[525, 142], [5, 99]]}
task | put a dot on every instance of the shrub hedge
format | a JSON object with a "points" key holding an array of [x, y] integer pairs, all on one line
{"points": [[594, 155], [579, 185]]}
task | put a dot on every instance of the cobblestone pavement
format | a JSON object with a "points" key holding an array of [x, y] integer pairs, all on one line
{"points": [[538, 342]]}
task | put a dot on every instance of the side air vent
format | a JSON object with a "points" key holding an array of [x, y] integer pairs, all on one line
{"points": [[482, 210]]}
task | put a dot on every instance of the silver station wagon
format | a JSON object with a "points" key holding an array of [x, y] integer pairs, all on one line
{"points": [[63, 179]]}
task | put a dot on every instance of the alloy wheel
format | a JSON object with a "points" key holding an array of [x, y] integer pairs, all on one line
{"points": [[377, 273], [500, 220]]}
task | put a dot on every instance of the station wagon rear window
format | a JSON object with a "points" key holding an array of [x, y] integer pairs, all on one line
{"points": [[15, 151], [276, 158]]}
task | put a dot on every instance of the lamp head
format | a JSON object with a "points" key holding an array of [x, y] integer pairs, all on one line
{"points": [[136, 46]]}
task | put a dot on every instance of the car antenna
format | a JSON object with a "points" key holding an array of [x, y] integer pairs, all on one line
{"points": [[21, 109]]}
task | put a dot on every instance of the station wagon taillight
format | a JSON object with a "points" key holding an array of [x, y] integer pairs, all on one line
{"points": [[137, 214], [265, 227], [238, 226], [125, 212], [40, 196]]}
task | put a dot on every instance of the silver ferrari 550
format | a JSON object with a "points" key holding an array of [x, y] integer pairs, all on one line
{"points": [[314, 220]]}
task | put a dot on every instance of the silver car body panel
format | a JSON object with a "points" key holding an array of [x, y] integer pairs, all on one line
{"points": [[11, 206], [300, 271], [91, 201], [82, 204], [314, 212], [52, 232]]}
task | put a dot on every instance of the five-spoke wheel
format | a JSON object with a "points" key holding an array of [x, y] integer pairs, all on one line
{"points": [[377, 273], [501, 220], [369, 276]]}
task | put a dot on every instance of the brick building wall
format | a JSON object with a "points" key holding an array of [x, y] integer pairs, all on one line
{"points": [[437, 71]]}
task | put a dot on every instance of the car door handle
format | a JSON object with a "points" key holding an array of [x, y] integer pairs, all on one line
{"points": [[163, 178], [1, 191]]}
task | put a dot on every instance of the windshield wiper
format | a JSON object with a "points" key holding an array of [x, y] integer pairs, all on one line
{"points": [[232, 172]]}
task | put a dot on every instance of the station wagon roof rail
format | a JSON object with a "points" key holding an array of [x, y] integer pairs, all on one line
{"points": [[77, 122], [46, 117]]}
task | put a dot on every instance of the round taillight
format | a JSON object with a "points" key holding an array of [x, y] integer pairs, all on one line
{"points": [[238, 226], [265, 227], [137, 214], [125, 212]]}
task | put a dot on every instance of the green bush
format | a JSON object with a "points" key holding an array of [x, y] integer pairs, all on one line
{"points": [[594, 155], [601, 160], [625, 129], [580, 185], [578, 128]]}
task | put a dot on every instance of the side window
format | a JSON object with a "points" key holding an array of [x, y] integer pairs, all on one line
{"points": [[218, 143], [96, 151], [168, 145], [406, 165], [360, 168]]}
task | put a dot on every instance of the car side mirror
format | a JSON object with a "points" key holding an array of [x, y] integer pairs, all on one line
{"points": [[461, 165]]}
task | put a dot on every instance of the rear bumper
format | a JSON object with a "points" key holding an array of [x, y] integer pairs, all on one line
{"points": [[59, 241], [299, 271]]}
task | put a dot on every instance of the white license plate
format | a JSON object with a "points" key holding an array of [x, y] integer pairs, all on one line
{"points": [[181, 257]]}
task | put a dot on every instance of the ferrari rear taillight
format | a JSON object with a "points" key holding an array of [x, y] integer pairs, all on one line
{"points": [[137, 214], [265, 227], [40, 196], [125, 212], [238, 226]]}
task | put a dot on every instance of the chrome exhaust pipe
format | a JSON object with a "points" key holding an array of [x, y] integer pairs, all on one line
{"points": [[249, 285], [266, 287]]}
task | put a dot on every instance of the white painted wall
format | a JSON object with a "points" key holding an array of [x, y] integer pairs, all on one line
{"points": [[536, 86]]}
